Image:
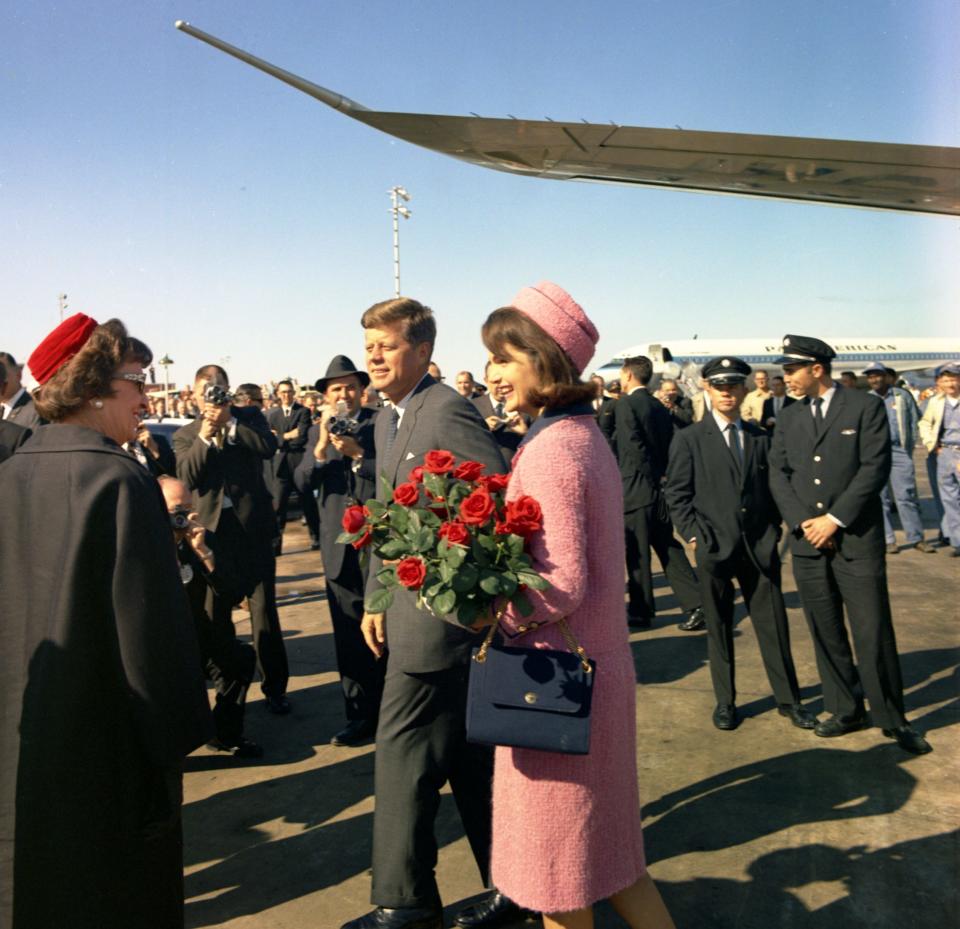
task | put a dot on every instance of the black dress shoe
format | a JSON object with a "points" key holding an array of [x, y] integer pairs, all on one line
{"points": [[360, 730], [725, 716], [495, 910], [404, 917], [925, 547], [314, 545], [798, 714], [245, 748], [638, 622], [694, 622], [279, 705], [909, 739], [833, 726]]}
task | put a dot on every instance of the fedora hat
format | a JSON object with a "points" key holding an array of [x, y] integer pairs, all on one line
{"points": [[341, 366]]}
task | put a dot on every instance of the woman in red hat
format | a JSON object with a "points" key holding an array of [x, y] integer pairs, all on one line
{"points": [[100, 683]]}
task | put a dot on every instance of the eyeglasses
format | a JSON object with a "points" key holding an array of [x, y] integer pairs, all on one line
{"points": [[139, 379]]}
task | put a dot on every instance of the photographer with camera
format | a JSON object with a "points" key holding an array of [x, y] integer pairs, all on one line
{"points": [[210, 582], [220, 458], [343, 469], [290, 422]]}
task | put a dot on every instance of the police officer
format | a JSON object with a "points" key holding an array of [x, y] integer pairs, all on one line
{"points": [[719, 497], [830, 460], [902, 416]]}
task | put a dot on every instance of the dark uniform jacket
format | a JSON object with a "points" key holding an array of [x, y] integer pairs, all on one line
{"points": [[436, 417], [768, 410], [709, 502], [338, 486], [841, 472], [101, 693], [641, 441]]}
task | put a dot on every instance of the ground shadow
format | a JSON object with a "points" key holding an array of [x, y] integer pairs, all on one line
{"points": [[663, 660]]}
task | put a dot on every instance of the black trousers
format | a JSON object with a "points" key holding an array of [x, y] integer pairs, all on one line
{"points": [[646, 527], [827, 583], [229, 664], [764, 600], [254, 558], [421, 744], [361, 674], [284, 486]]}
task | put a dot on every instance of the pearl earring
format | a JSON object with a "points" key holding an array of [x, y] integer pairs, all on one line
{"points": [[98, 404]]}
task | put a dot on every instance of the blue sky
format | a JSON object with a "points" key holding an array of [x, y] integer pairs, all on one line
{"points": [[223, 215]]}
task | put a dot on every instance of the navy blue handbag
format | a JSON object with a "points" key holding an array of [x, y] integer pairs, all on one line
{"points": [[531, 697]]}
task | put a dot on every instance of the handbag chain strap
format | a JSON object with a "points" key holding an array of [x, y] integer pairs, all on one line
{"points": [[568, 637]]}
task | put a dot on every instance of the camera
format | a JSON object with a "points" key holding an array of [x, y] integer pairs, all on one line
{"points": [[342, 423], [217, 395], [180, 519]]}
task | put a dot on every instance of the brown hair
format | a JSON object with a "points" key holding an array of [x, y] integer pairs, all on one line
{"points": [[208, 372], [640, 367], [560, 383], [417, 322], [89, 373]]}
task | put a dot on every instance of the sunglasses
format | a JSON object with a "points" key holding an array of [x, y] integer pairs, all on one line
{"points": [[139, 379]]}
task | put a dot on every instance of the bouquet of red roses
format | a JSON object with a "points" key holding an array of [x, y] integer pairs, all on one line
{"points": [[448, 534]]}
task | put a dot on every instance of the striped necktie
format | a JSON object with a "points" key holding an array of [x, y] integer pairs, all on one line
{"points": [[393, 423]]}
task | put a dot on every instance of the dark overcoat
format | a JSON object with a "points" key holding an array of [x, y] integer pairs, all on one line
{"points": [[642, 431], [101, 693]]}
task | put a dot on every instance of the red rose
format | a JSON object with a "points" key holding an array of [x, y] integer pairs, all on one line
{"points": [[411, 573], [523, 516], [477, 508], [456, 533], [495, 483], [353, 518], [439, 462], [364, 540], [468, 470], [416, 475], [406, 494]]}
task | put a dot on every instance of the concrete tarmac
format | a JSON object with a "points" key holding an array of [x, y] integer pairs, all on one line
{"points": [[767, 826]]}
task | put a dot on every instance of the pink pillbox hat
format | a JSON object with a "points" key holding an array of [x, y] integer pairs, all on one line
{"points": [[561, 318]]}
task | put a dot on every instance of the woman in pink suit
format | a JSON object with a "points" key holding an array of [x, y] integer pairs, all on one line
{"points": [[566, 828]]}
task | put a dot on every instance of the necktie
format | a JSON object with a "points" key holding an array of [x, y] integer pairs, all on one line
{"points": [[733, 443], [498, 411], [393, 423], [818, 415], [3, 411]]}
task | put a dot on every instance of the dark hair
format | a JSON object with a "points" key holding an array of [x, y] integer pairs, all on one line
{"points": [[850, 373], [417, 322], [286, 381], [3, 374], [8, 359], [89, 373], [207, 372], [779, 377], [640, 367], [560, 383]]}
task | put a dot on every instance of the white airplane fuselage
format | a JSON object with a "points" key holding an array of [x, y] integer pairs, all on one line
{"points": [[684, 357]]}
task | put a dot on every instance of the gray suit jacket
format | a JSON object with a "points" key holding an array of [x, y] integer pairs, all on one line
{"points": [[24, 413], [436, 417]]}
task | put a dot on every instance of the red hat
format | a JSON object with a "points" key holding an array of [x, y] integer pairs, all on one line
{"points": [[60, 346]]}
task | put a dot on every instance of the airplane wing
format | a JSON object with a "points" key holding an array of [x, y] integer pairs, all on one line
{"points": [[877, 175]]}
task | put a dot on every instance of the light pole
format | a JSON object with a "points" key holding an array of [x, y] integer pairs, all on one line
{"points": [[397, 209], [62, 300], [166, 361]]}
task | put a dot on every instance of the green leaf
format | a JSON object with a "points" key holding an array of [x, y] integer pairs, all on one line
{"points": [[480, 555], [423, 539], [394, 548], [490, 582], [458, 493], [488, 544], [522, 602], [445, 602], [447, 572], [454, 555], [388, 576], [346, 537], [508, 583], [379, 601], [376, 508], [533, 581], [386, 487], [429, 518], [465, 579], [514, 545], [467, 612], [413, 518], [399, 517], [435, 483]]}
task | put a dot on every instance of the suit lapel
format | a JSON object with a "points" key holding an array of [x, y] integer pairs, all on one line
{"points": [[806, 420], [407, 424], [719, 450]]}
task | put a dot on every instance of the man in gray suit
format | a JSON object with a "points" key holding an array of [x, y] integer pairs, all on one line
{"points": [[421, 737], [16, 404]]}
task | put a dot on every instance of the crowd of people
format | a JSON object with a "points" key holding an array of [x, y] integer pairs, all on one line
{"points": [[125, 555]]}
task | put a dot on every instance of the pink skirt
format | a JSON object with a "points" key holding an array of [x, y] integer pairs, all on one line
{"points": [[566, 828]]}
